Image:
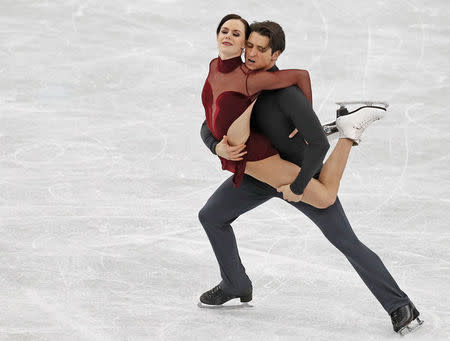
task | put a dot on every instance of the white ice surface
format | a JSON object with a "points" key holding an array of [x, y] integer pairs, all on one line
{"points": [[103, 172]]}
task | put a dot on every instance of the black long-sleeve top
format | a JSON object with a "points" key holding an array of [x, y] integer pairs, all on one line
{"points": [[276, 114]]}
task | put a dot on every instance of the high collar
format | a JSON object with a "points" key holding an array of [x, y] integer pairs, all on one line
{"points": [[229, 65]]}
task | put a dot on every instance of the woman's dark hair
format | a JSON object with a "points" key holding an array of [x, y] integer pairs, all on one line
{"points": [[234, 16], [270, 29]]}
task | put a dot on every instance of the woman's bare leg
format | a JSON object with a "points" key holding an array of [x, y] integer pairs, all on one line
{"points": [[277, 172], [319, 193], [333, 168], [239, 131]]}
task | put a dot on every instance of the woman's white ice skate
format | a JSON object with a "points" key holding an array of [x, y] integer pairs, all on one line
{"points": [[348, 108], [354, 117]]}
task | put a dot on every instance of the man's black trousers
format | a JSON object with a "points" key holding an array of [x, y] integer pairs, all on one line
{"points": [[228, 203]]}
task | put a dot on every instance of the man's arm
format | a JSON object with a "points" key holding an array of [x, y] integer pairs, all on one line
{"points": [[295, 105], [221, 148], [262, 80], [208, 138]]}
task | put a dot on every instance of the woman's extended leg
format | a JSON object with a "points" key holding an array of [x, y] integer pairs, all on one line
{"points": [[319, 193], [333, 168], [277, 172]]}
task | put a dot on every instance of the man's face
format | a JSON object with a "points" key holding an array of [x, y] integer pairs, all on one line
{"points": [[258, 54]]}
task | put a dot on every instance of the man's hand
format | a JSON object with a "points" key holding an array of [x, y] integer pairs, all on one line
{"points": [[233, 153], [288, 194]]}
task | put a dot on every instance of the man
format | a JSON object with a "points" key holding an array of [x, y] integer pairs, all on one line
{"points": [[276, 114]]}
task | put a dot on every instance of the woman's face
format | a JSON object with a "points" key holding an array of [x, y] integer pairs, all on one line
{"points": [[231, 38]]}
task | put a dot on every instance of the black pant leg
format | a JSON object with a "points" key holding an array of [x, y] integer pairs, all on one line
{"points": [[335, 226], [222, 208]]}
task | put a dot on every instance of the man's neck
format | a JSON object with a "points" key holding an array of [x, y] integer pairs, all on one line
{"points": [[271, 68]]}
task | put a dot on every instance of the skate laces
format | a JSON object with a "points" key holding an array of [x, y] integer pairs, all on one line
{"points": [[214, 290], [395, 316], [398, 315]]}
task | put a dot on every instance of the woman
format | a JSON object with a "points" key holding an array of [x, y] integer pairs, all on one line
{"points": [[228, 96]]}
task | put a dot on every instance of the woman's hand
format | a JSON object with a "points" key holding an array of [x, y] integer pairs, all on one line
{"points": [[232, 153], [294, 132], [288, 194]]}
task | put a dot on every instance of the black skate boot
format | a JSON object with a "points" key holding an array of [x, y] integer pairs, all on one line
{"points": [[403, 317], [331, 130], [216, 296]]}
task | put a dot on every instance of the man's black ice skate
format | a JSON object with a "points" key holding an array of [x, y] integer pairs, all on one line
{"points": [[406, 319], [216, 296], [331, 130]]}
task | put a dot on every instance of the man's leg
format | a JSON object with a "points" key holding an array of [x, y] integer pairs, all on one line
{"points": [[336, 228], [222, 208]]}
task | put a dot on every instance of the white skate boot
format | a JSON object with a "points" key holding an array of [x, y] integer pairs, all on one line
{"points": [[351, 124]]}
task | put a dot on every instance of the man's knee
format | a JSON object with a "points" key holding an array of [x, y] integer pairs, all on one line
{"points": [[209, 216], [203, 215]]}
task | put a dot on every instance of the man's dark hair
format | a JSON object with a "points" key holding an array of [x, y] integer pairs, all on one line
{"points": [[234, 16], [270, 29]]}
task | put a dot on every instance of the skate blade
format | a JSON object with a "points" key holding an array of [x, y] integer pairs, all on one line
{"points": [[224, 307], [376, 103], [411, 328]]}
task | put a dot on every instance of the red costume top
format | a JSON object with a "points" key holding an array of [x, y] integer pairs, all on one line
{"points": [[229, 89]]}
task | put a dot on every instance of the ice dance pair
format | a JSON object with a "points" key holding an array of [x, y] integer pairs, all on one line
{"points": [[229, 99]]}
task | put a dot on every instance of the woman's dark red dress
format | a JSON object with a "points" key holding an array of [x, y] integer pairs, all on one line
{"points": [[225, 97]]}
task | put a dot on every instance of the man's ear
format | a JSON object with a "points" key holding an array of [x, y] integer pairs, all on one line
{"points": [[275, 55]]}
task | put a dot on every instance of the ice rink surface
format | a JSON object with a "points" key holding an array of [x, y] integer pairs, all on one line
{"points": [[103, 172]]}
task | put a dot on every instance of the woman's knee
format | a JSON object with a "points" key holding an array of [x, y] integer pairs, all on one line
{"points": [[331, 199], [326, 202]]}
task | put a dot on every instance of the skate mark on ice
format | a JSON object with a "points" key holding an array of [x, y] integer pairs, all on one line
{"points": [[326, 98], [67, 316], [422, 118], [60, 156], [282, 259], [422, 28], [369, 44], [289, 222], [154, 131], [400, 181], [65, 187], [317, 59], [107, 149], [420, 57], [29, 156]]}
